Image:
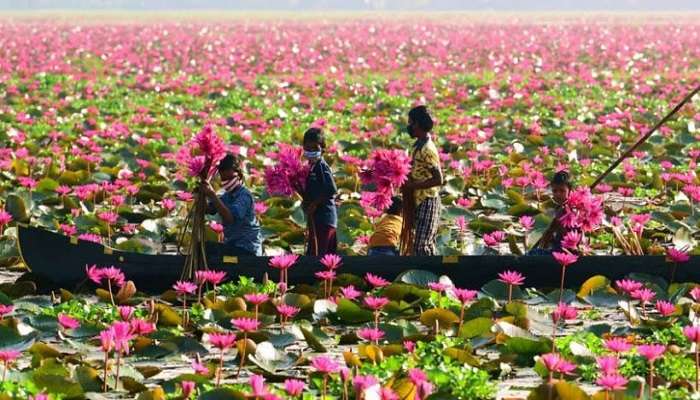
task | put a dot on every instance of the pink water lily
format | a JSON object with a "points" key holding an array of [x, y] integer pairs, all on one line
{"points": [[350, 293], [608, 365], [7, 357], [286, 312], [628, 286], [612, 382], [188, 388], [223, 342], [511, 278], [564, 259], [5, 218], [665, 308], [527, 222], [651, 352], [68, 322], [283, 263], [376, 281], [583, 210], [6, 309], [126, 312], [294, 387], [289, 175], [112, 275], [245, 325], [618, 345], [420, 380], [325, 366]]}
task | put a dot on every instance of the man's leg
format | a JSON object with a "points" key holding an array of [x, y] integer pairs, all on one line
{"points": [[326, 240], [427, 223]]}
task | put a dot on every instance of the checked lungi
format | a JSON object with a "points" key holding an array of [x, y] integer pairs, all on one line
{"points": [[427, 224]]}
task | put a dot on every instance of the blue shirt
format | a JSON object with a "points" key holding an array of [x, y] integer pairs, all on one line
{"points": [[244, 232], [320, 184]]}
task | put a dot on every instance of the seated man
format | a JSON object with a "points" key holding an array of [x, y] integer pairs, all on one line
{"points": [[387, 233], [236, 209]]}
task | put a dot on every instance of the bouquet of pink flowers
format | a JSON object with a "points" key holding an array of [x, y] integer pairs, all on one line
{"points": [[386, 170], [201, 154], [583, 210], [289, 174], [199, 157]]}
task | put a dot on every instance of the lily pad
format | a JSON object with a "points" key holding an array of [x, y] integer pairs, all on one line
{"points": [[440, 317], [350, 312]]}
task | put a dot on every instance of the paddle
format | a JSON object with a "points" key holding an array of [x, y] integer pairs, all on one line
{"points": [[554, 224]]}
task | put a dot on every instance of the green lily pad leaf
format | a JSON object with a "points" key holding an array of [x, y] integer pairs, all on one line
{"points": [[16, 207], [652, 279], [405, 389], [57, 384], [222, 394], [525, 346], [499, 290], [19, 289], [542, 222], [519, 210], [88, 378], [139, 245], [296, 300], [282, 340], [482, 225], [603, 298], [493, 202], [352, 313], [476, 327], [454, 211], [441, 396], [9, 252], [85, 330], [683, 239], [593, 284], [440, 317], [462, 356], [515, 309], [167, 316], [483, 307], [47, 185], [268, 358], [630, 311], [131, 385], [10, 339], [561, 390], [324, 307], [417, 277], [668, 220], [312, 341], [513, 331], [187, 344]]}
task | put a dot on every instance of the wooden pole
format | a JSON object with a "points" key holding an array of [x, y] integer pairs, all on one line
{"points": [[644, 138]]}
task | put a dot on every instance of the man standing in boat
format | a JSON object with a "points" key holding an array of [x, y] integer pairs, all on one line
{"points": [[421, 193], [236, 209]]}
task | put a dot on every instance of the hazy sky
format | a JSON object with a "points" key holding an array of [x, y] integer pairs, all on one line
{"points": [[505, 5]]}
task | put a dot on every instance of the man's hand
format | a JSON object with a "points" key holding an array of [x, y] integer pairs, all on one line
{"points": [[410, 184], [309, 207], [208, 189]]}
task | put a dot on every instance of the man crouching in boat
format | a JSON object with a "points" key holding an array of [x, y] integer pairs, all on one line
{"points": [[554, 236], [236, 209]]}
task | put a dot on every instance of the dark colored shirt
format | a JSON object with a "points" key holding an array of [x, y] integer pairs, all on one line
{"points": [[320, 184], [244, 232]]}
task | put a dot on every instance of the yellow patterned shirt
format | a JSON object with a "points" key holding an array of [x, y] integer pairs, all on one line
{"points": [[425, 159]]}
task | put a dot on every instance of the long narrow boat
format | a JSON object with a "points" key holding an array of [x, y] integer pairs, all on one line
{"points": [[59, 261]]}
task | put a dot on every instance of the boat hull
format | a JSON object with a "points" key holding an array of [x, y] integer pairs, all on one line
{"points": [[60, 261]]}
